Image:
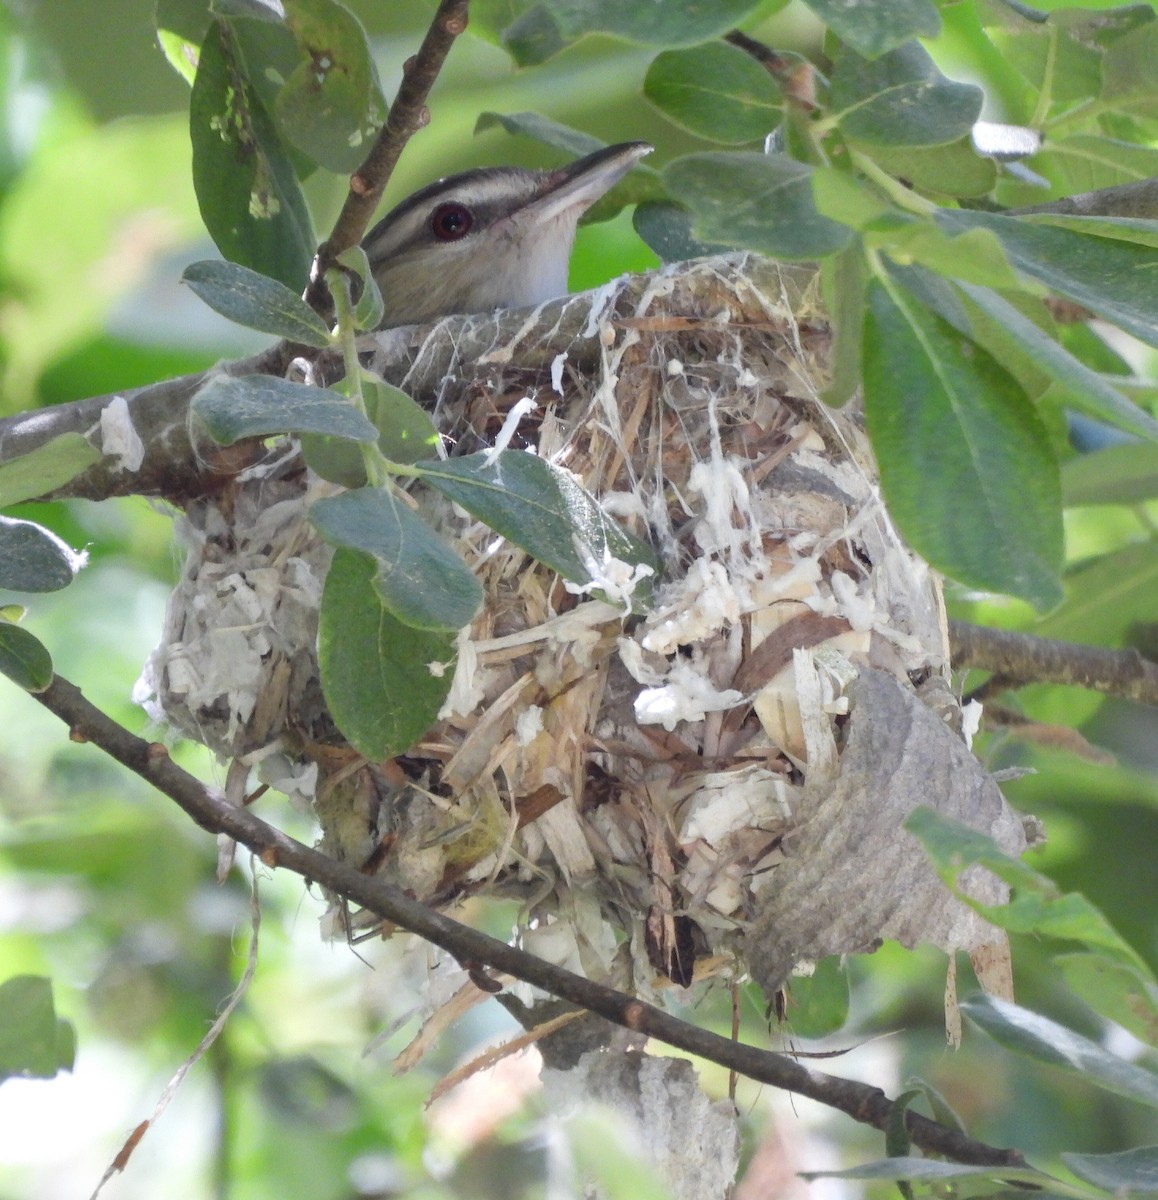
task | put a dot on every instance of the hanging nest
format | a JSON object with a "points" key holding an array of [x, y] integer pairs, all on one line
{"points": [[713, 786]]}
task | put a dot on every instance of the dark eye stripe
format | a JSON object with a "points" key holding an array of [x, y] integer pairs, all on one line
{"points": [[452, 221]]}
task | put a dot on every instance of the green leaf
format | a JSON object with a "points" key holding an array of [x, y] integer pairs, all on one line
{"points": [[1128, 71], [181, 26], [544, 510], [1087, 161], [1051, 60], [46, 468], [1036, 905], [656, 23], [256, 301], [420, 579], [330, 106], [533, 37], [1038, 1037], [938, 406], [249, 196], [1086, 389], [1113, 278], [368, 311], [541, 129], [235, 407], [953, 169], [34, 1042], [941, 1109], [335, 459], [1115, 475], [872, 29], [23, 658], [1127, 1173], [33, 559], [1140, 231], [270, 11], [1106, 597], [715, 91], [976, 256], [406, 432], [928, 1170], [818, 1003], [666, 227], [384, 681], [758, 201], [843, 280], [901, 99], [898, 1143], [1114, 991], [405, 435], [849, 200]]}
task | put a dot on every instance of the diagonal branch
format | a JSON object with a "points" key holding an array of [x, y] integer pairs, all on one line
{"points": [[408, 114], [214, 813], [1021, 658]]}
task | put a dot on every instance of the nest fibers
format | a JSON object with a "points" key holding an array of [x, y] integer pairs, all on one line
{"points": [[715, 786]]}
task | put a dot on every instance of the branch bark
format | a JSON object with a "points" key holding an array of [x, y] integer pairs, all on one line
{"points": [[209, 809], [408, 114], [1021, 658]]}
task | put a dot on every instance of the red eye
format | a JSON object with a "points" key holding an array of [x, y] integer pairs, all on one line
{"points": [[449, 222]]}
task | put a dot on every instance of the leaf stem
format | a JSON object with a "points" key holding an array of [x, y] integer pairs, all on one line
{"points": [[900, 195], [338, 284]]}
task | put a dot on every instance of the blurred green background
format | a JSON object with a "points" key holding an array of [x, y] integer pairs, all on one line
{"points": [[107, 888]]}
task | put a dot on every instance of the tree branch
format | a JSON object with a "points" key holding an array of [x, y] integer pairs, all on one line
{"points": [[1021, 658], [213, 812], [408, 114]]}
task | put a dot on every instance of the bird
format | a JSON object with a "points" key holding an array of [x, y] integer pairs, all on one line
{"points": [[495, 237]]}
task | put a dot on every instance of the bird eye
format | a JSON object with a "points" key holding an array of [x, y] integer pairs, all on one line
{"points": [[449, 222]]}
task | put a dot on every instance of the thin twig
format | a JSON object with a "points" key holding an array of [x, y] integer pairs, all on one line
{"points": [[209, 808], [1021, 658], [408, 114]]}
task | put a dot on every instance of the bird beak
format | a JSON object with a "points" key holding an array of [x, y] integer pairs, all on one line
{"points": [[579, 184]]}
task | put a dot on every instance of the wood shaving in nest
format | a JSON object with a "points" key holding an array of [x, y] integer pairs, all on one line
{"points": [[577, 738]]}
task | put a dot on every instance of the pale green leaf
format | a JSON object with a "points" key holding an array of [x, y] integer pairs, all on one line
{"points": [[46, 468]]}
